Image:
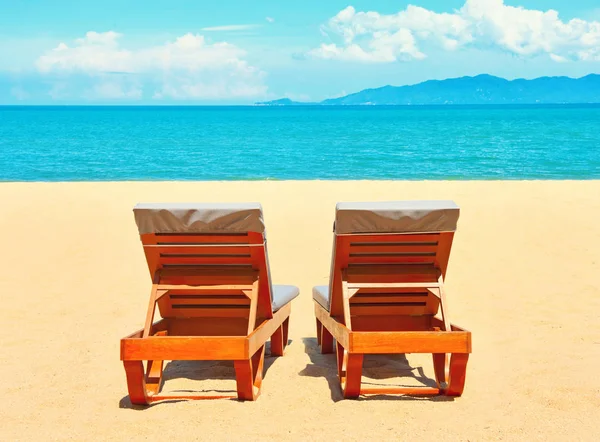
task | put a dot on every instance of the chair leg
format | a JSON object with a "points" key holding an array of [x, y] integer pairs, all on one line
{"points": [[326, 341], [349, 372], [154, 377], [457, 375], [341, 362], [136, 384], [286, 326], [441, 368], [353, 375], [248, 375], [279, 339], [319, 332], [277, 344]]}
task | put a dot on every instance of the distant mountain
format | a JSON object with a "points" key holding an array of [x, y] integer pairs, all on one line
{"points": [[283, 102], [482, 89]]}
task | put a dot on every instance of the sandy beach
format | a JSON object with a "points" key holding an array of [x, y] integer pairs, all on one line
{"points": [[523, 278]]}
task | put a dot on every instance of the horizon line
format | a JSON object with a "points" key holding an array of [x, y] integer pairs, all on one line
{"points": [[300, 104]]}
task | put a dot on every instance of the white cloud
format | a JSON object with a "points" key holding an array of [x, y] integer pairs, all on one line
{"points": [[189, 67], [270, 19], [558, 58], [229, 28], [406, 35], [103, 38], [96, 52]]}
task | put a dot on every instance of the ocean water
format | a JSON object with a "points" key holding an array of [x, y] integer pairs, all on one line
{"points": [[100, 143]]}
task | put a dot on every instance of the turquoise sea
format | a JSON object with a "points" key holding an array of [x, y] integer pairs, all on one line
{"points": [[98, 143]]}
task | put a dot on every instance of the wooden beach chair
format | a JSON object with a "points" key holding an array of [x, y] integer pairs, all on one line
{"points": [[386, 292], [210, 280]]}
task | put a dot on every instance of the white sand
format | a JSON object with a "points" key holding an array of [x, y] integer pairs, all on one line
{"points": [[523, 277]]}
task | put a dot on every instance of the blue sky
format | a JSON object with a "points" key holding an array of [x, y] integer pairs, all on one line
{"points": [[184, 51]]}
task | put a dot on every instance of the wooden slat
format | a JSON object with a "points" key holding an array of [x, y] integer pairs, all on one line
{"points": [[204, 296], [152, 244], [173, 397], [184, 348], [391, 290], [426, 302], [420, 308], [409, 391], [194, 254], [224, 271], [387, 298], [410, 342], [203, 260], [217, 249], [392, 248], [209, 300], [392, 273], [392, 323], [390, 259], [391, 237], [204, 288], [399, 242], [207, 326], [201, 311], [399, 285], [214, 275]]}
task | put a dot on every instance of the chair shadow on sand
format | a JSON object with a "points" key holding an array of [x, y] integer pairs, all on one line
{"points": [[200, 371], [376, 367]]}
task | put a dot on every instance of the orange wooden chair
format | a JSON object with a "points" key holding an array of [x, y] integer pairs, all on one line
{"points": [[386, 292], [211, 283]]}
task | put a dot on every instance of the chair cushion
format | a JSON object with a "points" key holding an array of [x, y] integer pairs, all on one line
{"points": [[282, 294], [199, 218], [396, 217], [321, 295]]}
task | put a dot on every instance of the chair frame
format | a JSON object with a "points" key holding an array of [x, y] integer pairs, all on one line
{"points": [[385, 293], [213, 293]]}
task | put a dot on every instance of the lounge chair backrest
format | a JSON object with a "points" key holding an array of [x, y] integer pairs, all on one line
{"points": [[399, 241], [198, 244]]}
